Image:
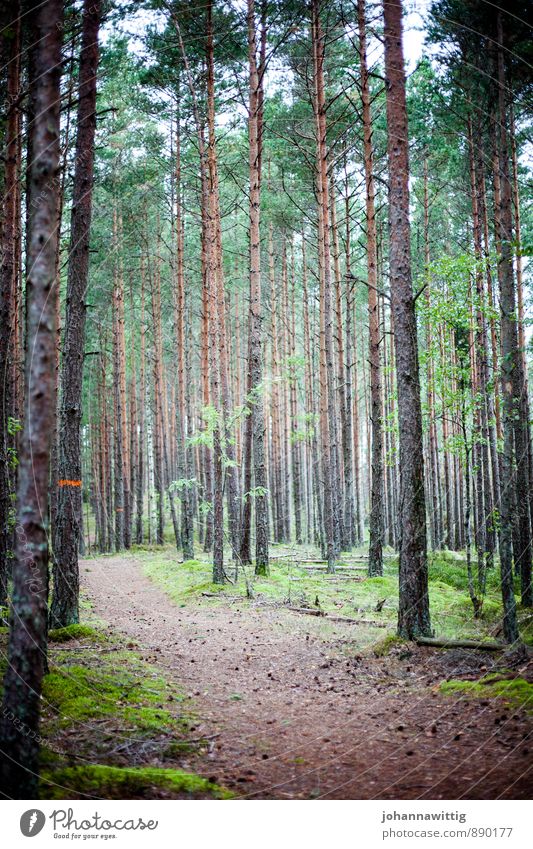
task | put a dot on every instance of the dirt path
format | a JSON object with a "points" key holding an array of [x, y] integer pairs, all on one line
{"points": [[293, 716]]}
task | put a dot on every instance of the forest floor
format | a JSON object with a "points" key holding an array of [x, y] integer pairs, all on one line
{"points": [[289, 705], [172, 687]]}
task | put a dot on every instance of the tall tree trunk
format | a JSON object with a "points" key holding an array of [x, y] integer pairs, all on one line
{"points": [[158, 427], [275, 476], [8, 305], [433, 449], [118, 452], [187, 523], [284, 392], [413, 612], [216, 316], [486, 535], [351, 527], [65, 601], [327, 370], [510, 376], [19, 726], [311, 441], [260, 499], [525, 473], [54, 458], [375, 551], [121, 341], [294, 434], [139, 495], [344, 449]]}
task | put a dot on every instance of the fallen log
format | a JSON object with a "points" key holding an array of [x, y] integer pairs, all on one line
{"points": [[350, 621], [337, 568], [346, 561], [310, 611], [460, 644]]}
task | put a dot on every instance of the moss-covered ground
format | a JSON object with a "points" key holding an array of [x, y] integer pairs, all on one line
{"points": [[103, 709], [348, 593], [514, 691], [113, 726], [110, 782]]}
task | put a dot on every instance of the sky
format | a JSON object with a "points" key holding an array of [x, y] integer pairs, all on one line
{"points": [[413, 35], [414, 10]]}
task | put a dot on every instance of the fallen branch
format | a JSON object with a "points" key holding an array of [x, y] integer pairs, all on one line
{"points": [[337, 569], [350, 621], [459, 644], [312, 612], [201, 739], [222, 595]]}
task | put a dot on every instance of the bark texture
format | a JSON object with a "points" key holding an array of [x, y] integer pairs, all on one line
{"points": [[65, 602], [413, 612], [260, 499], [375, 552], [27, 642]]}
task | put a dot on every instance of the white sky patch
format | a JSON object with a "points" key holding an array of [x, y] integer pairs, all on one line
{"points": [[135, 26], [414, 31]]}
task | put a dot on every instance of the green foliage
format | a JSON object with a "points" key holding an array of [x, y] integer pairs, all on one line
{"points": [[182, 484], [255, 492]]}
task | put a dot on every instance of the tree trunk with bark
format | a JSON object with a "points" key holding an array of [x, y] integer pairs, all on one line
{"points": [[65, 600], [375, 551], [256, 390], [187, 522], [8, 302], [327, 368], [413, 612], [216, 318], [511, 383], [19, 727]]}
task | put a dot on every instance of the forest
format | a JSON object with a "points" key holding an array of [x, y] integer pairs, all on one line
{"points": [[266, 458]]}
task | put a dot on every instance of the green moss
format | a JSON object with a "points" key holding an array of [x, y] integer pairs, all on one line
{"points": [[48, 758], [75, 632], [449, 567], [515, 691], [383, 647], [121, 687], [450, 605], [78, 693], [181, 581], [108, 782], [149, 719]]}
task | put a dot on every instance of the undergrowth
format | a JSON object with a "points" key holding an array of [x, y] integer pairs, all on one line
{"points": [[102, 702], [348, 593]]}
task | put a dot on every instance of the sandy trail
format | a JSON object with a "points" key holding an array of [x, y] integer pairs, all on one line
{"points": [[291, 716]]}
